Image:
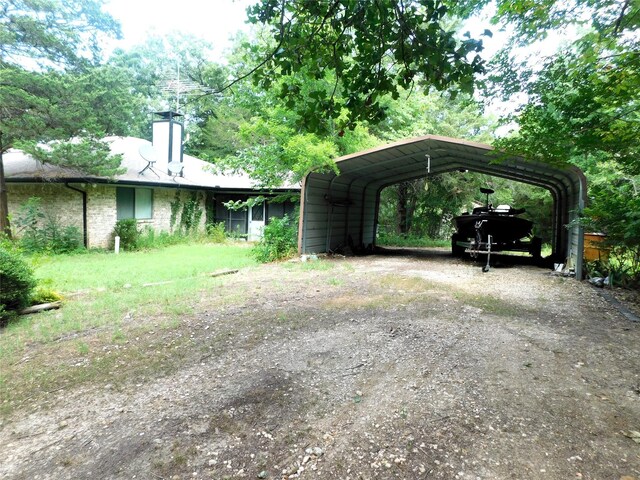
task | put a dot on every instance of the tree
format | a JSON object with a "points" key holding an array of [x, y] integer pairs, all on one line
{"points": [[172, 72], [583, 99], [47, 49], [583, 105], [60, 34], [255, 131], [357, 52], [274, 152]]}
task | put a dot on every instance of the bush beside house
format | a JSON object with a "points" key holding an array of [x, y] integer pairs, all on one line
{"points": [[16, 283], [279, 240]]}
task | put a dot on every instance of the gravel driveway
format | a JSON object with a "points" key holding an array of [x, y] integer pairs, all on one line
{"points": [[398, 366]]}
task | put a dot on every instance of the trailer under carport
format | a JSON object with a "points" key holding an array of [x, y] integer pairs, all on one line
{"points": [[339, 210]]}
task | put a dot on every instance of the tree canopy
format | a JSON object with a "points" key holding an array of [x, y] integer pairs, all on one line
{"points": [[48, 89], [62, 33], [363, 51], [583, 104]]}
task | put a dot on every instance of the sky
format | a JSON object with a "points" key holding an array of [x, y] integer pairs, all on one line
{"points": [[213, 20], [218, 20]]}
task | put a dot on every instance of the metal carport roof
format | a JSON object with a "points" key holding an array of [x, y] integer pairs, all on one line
{"points": [[342, 209]]}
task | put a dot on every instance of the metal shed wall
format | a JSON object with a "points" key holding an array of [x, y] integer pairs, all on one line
{"points": [[341, 210]]}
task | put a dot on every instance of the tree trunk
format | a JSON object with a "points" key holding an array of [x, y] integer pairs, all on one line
{"points": [[403, 199], [5, 227]]}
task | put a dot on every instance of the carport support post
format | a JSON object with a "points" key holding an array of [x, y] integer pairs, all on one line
{"points": [[579, 259], [580, 230]]}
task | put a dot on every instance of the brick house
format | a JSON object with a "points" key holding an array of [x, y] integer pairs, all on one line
{"points": [[158, 180]]}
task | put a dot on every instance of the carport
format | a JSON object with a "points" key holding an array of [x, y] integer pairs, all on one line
{"points": [[339, 210]]}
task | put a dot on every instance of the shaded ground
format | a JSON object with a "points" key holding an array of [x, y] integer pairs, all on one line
{"points": [[414, 366]]}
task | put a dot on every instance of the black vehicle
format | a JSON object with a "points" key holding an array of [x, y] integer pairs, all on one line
{"points": [[494, 229]]}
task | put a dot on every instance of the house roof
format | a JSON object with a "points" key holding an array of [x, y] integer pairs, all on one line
{"points": [[21, 167]]}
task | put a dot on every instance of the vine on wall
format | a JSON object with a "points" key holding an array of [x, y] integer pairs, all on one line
{"points": [[189, 211]]}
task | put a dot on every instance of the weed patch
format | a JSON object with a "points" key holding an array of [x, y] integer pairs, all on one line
{"points": [[95, 359]]}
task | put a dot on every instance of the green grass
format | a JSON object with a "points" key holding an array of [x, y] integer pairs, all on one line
{"points": [[105, 289], [394, 240], [107, 308], [72, 273]]}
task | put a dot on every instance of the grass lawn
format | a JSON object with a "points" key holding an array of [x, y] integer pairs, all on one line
{"points": [[106, 304], [72, 273]]}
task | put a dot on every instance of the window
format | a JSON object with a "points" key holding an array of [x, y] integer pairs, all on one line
{"points": [[257, 213], [134, 202], [280, 209], [237, 222]]}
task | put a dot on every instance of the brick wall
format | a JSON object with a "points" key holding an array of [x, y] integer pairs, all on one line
{"points": [[162, 199], [66, 206], [101, 214]]}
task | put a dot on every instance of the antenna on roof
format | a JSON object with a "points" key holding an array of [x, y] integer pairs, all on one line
{"points": [[173, 83]]}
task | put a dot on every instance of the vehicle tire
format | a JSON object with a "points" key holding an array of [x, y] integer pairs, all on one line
{"points": [[456, 250], [535, 249]]}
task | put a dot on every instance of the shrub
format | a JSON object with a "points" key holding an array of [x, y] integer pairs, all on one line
{"points": [[44, 294], [56, 239], [16, 283], [9, 244], [279, 241], [216, 232], [149, 239], [127, 230]]}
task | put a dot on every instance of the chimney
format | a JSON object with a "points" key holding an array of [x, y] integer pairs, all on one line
{"points": [[167, 142]]}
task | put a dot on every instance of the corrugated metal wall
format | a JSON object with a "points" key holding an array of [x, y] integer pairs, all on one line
{"points": [[339, 211]]}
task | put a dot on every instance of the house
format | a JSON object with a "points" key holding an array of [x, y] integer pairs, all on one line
{"points": [[158, 182]]}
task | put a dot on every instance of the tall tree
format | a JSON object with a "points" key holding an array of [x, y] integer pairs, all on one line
{"points": [[584, 98], [39, 42], [357, 52], [583, 103], [62, 33]]}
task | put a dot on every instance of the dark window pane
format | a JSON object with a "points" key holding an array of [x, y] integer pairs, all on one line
{"points": [[257, 213], [276, 210], [238, 221], [124, 202]]}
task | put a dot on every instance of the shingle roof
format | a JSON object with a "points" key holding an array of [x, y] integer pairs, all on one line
{"points": [[21, 167]]}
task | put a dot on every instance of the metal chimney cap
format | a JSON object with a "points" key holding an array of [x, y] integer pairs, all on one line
{"points": [[168, 115]]}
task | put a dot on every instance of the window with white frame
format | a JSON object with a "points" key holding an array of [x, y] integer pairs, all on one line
{"points": [[134, 203]]}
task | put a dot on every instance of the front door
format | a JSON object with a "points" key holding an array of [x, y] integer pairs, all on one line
{"points": [[256, 222]]}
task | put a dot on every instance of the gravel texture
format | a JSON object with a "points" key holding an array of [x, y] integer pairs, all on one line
{"points": [[399, 366]]}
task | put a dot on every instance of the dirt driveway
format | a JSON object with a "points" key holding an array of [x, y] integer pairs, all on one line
{"points": [[400, 366]]}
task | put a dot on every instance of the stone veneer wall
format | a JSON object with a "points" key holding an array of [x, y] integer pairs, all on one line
{"points": [[66, 205]]}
